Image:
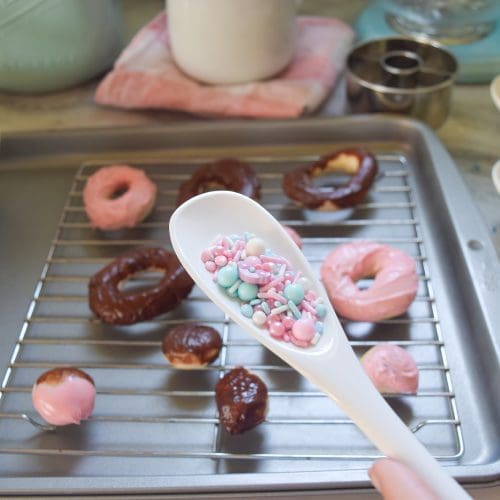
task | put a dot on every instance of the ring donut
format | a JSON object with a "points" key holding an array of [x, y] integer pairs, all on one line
{"points": [[227, 173], [393, 289], [112, 305], [118, 196], [359, 164]]}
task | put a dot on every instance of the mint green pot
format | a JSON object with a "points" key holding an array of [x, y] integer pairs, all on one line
{"points": [[50, 45]]}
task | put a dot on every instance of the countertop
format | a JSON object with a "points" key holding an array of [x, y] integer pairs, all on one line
{"points": [[471, 133]]}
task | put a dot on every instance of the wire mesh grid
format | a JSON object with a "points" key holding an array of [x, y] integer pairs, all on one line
{"points": [[163, 419]]}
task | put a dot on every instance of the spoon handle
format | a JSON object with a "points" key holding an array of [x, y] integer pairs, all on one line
{"points": [[339, 374]]}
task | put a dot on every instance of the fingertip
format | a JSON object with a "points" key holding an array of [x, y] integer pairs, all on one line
{"points": [[395, 480]]}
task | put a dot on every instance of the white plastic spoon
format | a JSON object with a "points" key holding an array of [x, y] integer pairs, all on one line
{"points": [[330, 364]]}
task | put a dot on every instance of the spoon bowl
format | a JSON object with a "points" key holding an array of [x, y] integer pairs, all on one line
{"points": [[330, 364]]}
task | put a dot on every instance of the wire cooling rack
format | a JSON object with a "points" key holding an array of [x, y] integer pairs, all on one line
{"points": [[151, 418]]}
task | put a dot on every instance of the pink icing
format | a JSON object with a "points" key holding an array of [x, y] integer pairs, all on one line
{"points": [[394, 287], [391, 369], [67, 402]]}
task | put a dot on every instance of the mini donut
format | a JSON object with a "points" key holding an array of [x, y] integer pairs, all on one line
{"points": [[391, 369], [112, 305], [228, 173], [241, 399], [118, 196], [64, 396], [359, 164], [393, 289], [188, 346]]}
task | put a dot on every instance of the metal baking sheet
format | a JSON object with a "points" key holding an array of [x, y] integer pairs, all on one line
{"points": [[155, 428]]}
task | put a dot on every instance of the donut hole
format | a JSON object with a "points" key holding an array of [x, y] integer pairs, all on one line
{"points": [[119, 190], [141, 281]]}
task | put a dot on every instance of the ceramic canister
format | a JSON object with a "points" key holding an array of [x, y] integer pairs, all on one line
{"points": [[232, 41]]}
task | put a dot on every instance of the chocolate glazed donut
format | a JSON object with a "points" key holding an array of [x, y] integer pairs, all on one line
{"points": [[360, 164], [112, 305], [227, 173]]}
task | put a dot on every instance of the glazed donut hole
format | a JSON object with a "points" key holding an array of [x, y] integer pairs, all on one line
{"points": [[188, 346]]}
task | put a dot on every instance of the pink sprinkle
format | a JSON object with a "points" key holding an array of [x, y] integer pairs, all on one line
{"points": [[221, 260], [308, 307], [286, 337], [273, 295], [288, 322], [206, 255], [299, 343], [275, 259], [276, 329], [303, 329], [219, 250], [210, 266], [310, 296], [272, 284]]}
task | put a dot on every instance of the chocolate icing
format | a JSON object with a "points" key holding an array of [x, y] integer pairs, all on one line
{"points": [[227, 173], [114, 306], [298, 186], [191, 344], [241, 400]]}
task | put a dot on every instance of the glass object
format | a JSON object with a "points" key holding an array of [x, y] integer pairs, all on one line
{"points": [[448, 21]]}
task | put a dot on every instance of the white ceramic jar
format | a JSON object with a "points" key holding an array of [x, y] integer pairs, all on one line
{"points": [[232, 41]]}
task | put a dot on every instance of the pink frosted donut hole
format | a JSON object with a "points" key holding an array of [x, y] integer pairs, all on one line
{"points": [[391, 369], [64, 396]]}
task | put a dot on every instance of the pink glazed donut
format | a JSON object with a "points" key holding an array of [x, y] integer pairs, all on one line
{"points": [[394, 286], [118, 196]]}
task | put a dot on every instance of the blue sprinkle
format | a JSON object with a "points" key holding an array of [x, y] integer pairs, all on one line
{"points": [[295, 311], [246, 310], [294, 292], [320, 310], [265, 307], [255, 302], [247, 291], [277, 303], [234, 288], [319, 327]]}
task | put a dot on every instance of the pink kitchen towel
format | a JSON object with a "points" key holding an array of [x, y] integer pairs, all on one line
{"points": [[145, 76]]}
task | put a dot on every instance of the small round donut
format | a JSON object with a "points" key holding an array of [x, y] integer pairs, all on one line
{"points": [[391, 369], [64, 396], [228, 173], [112, 305], [118, 196], [241, 399], [393, 289], [359, 164], [188, 346]]}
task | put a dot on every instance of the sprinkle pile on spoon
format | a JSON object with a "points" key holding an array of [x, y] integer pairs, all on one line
{"points": [[270, 292]]}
